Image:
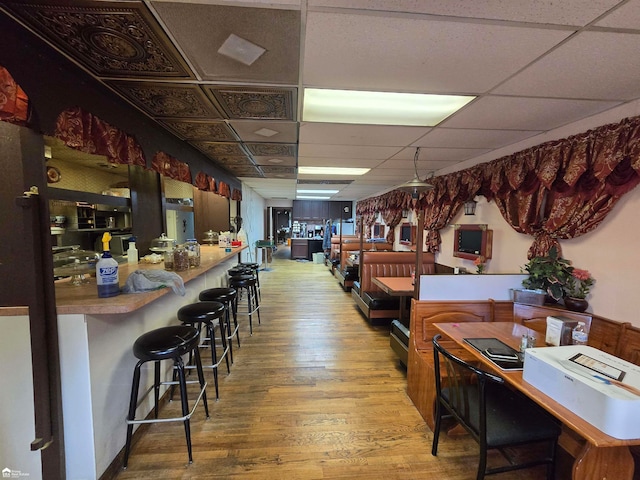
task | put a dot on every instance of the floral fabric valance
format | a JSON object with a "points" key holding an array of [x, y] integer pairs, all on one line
{"points": [[171, 167], [236, 195], [224, 189], [14, 103], [86, 132], [557, 190]]}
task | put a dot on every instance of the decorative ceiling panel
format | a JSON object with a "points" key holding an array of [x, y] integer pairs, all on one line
{"points": [[228, 161], [276, 161], [245, 171], [271, 149], [114, 39], [255, 103], [217, 150], [273, 131], [168, 100], [200, 130]]}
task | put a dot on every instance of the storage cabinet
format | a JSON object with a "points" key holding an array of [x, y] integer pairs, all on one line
{"points": [[299, 248], [320, 210]]}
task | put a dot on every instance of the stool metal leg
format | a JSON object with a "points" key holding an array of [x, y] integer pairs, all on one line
{"points": [[133, 402], [185, 404]]}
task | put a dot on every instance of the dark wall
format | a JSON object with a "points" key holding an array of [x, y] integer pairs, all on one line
{"points": [[53, 84]]}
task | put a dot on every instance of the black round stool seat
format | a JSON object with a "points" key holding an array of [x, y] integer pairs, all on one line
{"points": [[251, 265], [201, 312], [233, 272], [221, 294], [243, 281], [166, 342]]}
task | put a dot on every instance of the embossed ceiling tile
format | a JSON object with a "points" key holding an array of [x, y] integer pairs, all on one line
{"points": [[255, 103], [168, 100], [115, 39], [276, 161], [200, 130], [240, 171], [218, 150], [225, 161], [272, 149]]}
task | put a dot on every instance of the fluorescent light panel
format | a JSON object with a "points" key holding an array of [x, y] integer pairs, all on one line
{"points": [[332, 171], [328, 192], [313, 197], [379, 108]]}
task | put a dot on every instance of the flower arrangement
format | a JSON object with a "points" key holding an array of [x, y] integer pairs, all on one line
{"points": [[579, 283], [479, 262]]}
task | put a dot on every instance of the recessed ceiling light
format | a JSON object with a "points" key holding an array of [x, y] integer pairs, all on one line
{"points": [[266, 132], [332, 171], [331, 192], [313, 197], [379, 108], [276, 160], [241, 50]]}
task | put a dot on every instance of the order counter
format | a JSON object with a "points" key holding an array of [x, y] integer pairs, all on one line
{"points": [[96, 337]]}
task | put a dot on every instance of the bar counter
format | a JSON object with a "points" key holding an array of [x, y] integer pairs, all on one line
{"points": [[96, 337], [84, 298]]}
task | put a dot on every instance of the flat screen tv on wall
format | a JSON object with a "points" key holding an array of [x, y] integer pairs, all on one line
{"points": [[472, 241]]}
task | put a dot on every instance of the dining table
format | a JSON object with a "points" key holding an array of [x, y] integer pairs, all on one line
{"points": [[597, 456], [402, 287]]}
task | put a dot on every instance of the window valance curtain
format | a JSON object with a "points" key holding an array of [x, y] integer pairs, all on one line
{"points": [[224, 189], [171, 167], [85, 132], [205, 182], [236, 195], [14, 103], [557, 190]]}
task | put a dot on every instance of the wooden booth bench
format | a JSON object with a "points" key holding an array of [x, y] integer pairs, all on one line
{"points": [[377, 306], [616, 338], [347, 274]]}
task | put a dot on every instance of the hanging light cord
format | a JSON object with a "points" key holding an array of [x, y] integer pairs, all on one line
{"points": [[415, 161]]}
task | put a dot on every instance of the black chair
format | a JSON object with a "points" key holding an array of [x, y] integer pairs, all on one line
{"points": [[495, 416]]}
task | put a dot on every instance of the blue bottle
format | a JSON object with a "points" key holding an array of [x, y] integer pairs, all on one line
{"points": [[107, 271]]}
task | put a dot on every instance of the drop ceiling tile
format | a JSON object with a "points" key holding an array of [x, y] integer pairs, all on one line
{"points": [[473, 138], [493, 112], [383, 53], [346, 151], [279, 172], [338, 162], [201, 29], [341, 134], [567, 12], [228, 161], [274, 130], [167, 100], [626, 16], [212, 131], [587, 66], [276, 161], [245, 171], [112, 39]]}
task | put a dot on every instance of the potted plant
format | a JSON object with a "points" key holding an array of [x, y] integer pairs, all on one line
{"points": [[576, 290], [549, 274]]}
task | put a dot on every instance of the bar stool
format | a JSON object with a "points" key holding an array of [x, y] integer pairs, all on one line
{"points": [[226, 296], [255, 268], [166, 343], [247, 283], [203, 314]]}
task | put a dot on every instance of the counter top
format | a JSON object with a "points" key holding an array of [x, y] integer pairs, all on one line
{"points": [[84, 298]]}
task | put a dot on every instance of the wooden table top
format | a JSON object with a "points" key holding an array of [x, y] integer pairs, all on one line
{"points": [[395, 286], [511, 333]]}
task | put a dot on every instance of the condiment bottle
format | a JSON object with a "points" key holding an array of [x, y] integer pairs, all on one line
{"points": [[168, 259], [193, 249], [579, 334], [132, 252], [107, 271]]}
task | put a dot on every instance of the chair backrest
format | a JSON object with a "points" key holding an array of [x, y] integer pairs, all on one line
{"points": [[461, 387]]}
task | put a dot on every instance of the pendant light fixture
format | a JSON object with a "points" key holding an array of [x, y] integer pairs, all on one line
{"points": [[416, 186]]}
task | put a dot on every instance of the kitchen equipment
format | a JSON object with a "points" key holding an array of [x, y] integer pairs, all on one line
{"points": [[162, 244], [210, 237], [75, 263]]}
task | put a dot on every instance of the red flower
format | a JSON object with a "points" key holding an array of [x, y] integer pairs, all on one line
{"points": [[580, 274]]}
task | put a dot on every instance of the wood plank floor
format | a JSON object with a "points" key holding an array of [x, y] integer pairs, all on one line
{"points": [[315, 393]]}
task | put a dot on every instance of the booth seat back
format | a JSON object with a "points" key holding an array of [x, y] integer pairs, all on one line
{"points": [[391, 264], [351, 245]]}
